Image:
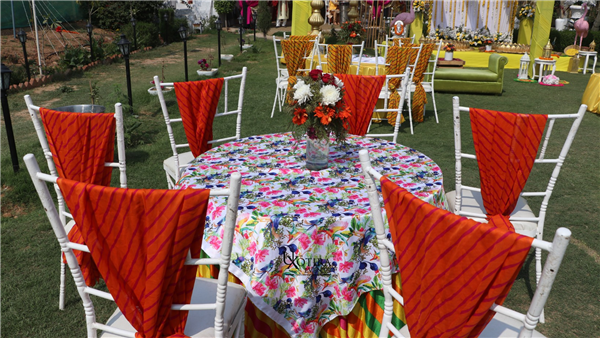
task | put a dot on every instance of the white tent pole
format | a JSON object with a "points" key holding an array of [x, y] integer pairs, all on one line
{"points": [[37, 38], [12, 10]]}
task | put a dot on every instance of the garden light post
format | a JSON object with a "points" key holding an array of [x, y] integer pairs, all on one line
{"points": [[183, 33], [89, 28], [218, 26], [9, 131], [166, 19], [133, 22], [125, 46], [23, 38], [241, 20], [254, 19]]}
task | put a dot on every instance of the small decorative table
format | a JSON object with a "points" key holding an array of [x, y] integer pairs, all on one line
{"points": [[305, 246], [546, 67], [587, 58], [454, 63]]}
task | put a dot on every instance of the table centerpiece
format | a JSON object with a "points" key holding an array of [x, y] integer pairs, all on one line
{"points": [[449, 49], [318, 112]]}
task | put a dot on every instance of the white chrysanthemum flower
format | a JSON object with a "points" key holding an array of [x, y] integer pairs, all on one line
{"points": [[331, 94], [302, 93], [299, 83], [338, 82]]}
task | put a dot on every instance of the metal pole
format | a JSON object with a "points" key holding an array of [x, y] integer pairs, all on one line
{"points": [[91, 47], [241, 43], [128, 84], [185, 59], [9, 132], [37, 38], [134, 39], [255, 28], [219, 43], [12, 10], [26, 62]]}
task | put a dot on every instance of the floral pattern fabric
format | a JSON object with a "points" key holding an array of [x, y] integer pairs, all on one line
{"points": [[305, 245]]}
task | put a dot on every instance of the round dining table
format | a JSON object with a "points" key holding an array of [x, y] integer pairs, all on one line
{"points": [[305, 246]]}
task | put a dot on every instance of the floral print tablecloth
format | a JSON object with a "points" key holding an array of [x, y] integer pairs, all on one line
{"points": [[305, 246]]}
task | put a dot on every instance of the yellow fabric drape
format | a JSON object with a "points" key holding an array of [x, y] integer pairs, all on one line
{"points": [[339, 58], [541, 30], [525, 31], [300, 14], [397, 58], [416, 27], [302, 37], [294, 51], [591, 95], [420, 98]]}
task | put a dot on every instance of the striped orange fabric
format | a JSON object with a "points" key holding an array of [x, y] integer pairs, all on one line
{"points": [[506, 145], [361, 94], [294, 51], [396, 60], [420, 98], [139, 240], [339, 58], [197, 101], [80, 144], [453, 269], [302, 37], [402, 42]]}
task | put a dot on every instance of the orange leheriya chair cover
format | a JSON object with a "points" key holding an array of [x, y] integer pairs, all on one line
{"points": [[294, 51], [401, 41], [80, 144], [453, 269], [197, 101], [302, 37], [139, 240], [396, 60], [339, 58], [506, 145], [361, 96], [420, 97]]}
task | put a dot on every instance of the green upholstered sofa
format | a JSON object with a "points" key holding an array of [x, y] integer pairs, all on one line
{"points": [[472, 80]]}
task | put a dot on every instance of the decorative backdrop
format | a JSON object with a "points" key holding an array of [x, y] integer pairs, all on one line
{"points": [[496, 15]]}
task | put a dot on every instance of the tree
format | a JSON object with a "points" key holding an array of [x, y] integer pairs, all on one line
{"points": [[263, 18]]}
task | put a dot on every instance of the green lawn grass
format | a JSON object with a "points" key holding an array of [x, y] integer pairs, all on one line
{"points": [[30, 252]]}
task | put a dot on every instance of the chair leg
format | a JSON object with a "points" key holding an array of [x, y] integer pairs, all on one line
{"points": [[275, 102], [410, 113], [434, 106], [170, 183], [61, 292]]}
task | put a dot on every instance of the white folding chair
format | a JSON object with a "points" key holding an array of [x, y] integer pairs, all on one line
{"points": [[227, 300], [506, 322], [429, 76], [281, 81], [310, 55], [467, 201], [63, 214], [377, 46], [175, 164], [402, 91], [360, 48], [412, 83]]}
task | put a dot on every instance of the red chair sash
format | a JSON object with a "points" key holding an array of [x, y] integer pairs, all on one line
{"points": [[506, 146], [80, 144], [197, 101], [361, 94], [452, 268], [139, 240]]}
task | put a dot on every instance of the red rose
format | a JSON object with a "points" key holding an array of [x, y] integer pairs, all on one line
{"points": [[350, 26], [326, 78], [59, 29], [315, 73]]}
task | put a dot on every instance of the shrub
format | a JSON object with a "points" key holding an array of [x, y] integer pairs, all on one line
{"points": [[75, 57], [169, 29], [114, 14], [147, 34], [263, 18], [563, 39], [18, 75], [224, 7]]}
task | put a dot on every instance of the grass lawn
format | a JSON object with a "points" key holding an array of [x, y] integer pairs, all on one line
{"points": [[30, 254]]}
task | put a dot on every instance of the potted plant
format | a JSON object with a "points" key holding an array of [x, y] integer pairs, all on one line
{"points": [[488, 44], [449, 49], [205, 67], [318, 112], [350, 32], [245, 45]]}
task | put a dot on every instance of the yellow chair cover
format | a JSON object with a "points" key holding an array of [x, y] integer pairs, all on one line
{"points": [[339, 58], [420, 98], [591, 96], [397, 58], [294, 51]]}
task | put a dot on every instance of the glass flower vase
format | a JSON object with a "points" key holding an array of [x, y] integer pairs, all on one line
{"points": [[317, 154]]}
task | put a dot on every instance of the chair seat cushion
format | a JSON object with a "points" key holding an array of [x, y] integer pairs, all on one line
{"points": [[466, 74], [472, 202], [200, 323], [169, 164], [504, 326]]}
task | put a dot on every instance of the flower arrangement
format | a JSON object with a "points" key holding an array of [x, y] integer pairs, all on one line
{"points": [[350, 32], [317, 107], [419, 6], [449, 47], [206, 64], [488, 41], [526, 11]]}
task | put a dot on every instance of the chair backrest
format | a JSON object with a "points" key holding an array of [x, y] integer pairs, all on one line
{"points": [[556, 250], [360, 49], [282, 72], [540, 159], [41, 134], [226, 111], [429, 74], [39, 180], [385, 94], [378, 49]]}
